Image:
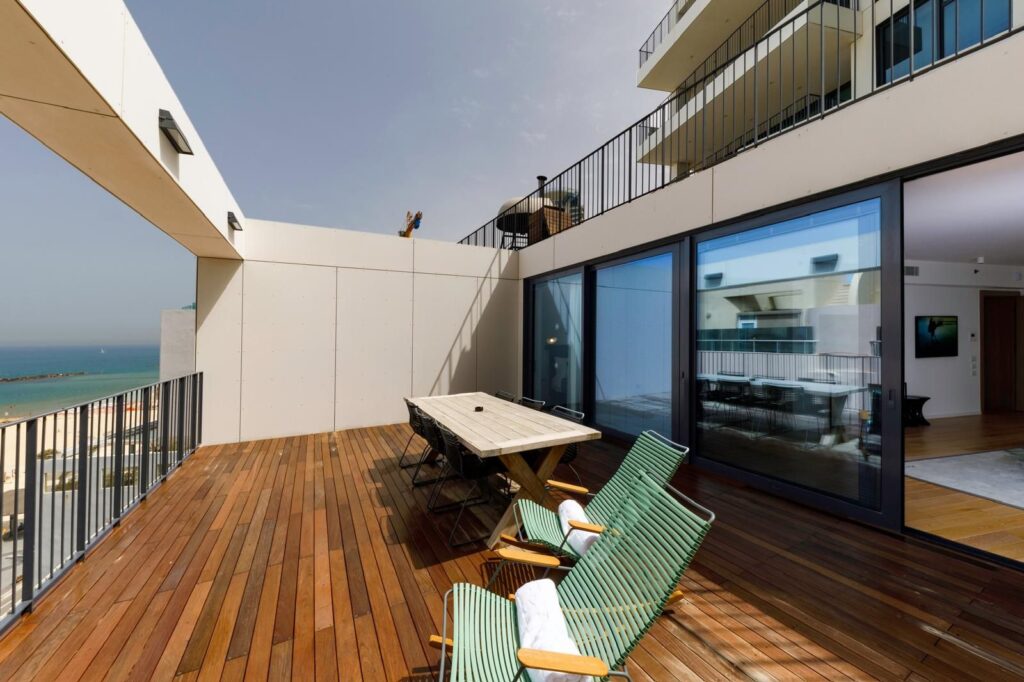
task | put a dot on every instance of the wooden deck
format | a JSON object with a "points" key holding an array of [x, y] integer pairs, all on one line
{"points": [[309, 558]]}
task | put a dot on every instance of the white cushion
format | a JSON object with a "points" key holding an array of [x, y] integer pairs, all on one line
{"points": [[542, 626], [579, 540]]}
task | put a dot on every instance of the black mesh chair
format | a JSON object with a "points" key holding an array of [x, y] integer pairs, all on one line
{"points": [[416, 424], [505, 395], [531, 403], [463, 464], [572, 451], [432, 453]]}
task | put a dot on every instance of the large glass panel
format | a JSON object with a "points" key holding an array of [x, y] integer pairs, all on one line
{"points": [[558, 341], [788, 351], [633, 346]]}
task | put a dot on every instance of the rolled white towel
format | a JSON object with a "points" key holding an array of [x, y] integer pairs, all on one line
{"points": [[579, 540], [542, 626]]}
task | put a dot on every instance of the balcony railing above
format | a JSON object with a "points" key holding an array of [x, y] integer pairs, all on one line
{"points": [[786, 66], [664, 28]]}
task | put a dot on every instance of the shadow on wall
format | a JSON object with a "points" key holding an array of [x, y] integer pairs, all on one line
{"points": [[492, 354]]}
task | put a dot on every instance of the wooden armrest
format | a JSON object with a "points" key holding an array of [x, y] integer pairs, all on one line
{"points": [[436, 640], [568, 487], [521, 544], [589, 527], [562, 663], [520, 557]]}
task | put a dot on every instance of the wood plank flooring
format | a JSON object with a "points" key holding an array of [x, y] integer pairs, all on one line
{"points": [[956, 515], [951, 436], [312, 558]]}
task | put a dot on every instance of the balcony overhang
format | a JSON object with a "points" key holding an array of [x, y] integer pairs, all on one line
{"points": [[723, 113], [695, 35], [80, 79]]}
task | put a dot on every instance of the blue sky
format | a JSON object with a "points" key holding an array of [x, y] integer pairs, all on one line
{"points": [[335, 113]]}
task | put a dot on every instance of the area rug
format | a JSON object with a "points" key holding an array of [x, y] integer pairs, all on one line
{"points": [[998, 475]]}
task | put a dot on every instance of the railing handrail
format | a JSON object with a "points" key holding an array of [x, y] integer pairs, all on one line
{"points": [[84, 403]]}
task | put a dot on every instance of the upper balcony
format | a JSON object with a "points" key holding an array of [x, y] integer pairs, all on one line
{"points": [[688, 34]]}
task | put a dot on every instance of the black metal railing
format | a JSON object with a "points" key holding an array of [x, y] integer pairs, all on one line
{"points": [[70, 475], [664, 28], [780, 69]]}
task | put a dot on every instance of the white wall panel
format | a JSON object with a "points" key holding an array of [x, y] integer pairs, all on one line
{"points": [[288, 350], [219, 288], [444, 319], [374, 354]]}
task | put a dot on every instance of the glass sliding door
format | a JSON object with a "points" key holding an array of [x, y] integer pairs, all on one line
{"points": [[633, 334], [788, 351], [557, 340]]}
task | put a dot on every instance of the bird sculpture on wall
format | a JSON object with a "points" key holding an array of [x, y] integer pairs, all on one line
{"points": [[412, 222]]}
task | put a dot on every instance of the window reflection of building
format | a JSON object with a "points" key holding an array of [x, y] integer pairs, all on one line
{"points": [[787, 320]]}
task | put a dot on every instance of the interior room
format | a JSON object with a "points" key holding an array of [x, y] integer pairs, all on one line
{"points": [[964, 355]]}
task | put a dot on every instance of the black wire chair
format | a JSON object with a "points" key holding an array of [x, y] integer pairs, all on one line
{"points": [[416, 424], [470, 468], [431, 453], [532, 403], [572, 451]]}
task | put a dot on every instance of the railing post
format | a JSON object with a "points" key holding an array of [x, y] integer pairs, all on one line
{"points": [[144, 464], [193, 419], [181, 421], [118, 456], [602, 179], [28, 547], [165, 426], [631, 165], [83, 476], [199, 409]]}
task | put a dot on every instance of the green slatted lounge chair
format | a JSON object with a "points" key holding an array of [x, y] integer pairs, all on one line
{"points": [[540, 527], [609, 598]]}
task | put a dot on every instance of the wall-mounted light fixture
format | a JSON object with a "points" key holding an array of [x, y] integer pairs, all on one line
{"points": [[233, 222], [169, 127]]}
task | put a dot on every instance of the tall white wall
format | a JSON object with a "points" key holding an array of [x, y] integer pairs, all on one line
{"points": [[322, 329], [953, 384]]}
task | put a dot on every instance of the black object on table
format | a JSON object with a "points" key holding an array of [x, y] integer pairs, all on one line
{"points": [[913, 410]]}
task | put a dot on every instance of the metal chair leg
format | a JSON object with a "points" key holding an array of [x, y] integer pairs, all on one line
{"points": [[455, 526], [402, 464]]}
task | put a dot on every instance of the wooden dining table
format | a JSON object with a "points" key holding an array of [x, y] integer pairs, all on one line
{"points": [[506, 430]]}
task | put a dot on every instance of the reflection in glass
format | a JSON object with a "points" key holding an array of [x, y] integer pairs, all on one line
{"points": [[633, 346], [941, 29], [788, 351], [557, 340]]}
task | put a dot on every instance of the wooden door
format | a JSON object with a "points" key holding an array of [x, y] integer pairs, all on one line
{"points": [[998, 353]]}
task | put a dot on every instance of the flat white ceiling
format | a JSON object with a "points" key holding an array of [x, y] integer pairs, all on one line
{"points": [[959, 215]]}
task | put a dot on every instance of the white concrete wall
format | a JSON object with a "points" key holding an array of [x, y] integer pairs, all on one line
{"points": [[954, 384], [80, 78], [956, 107], [177, 343], [322, 329]]}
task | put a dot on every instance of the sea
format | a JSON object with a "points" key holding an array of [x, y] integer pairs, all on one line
{"points": [[106, 370]]}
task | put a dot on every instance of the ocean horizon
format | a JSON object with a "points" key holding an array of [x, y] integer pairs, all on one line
{"points": [[97, 371]]}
